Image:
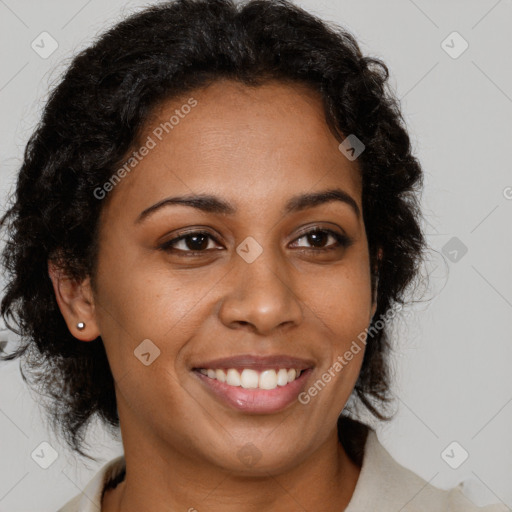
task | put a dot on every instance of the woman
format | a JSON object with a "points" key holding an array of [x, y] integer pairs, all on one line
{"points": [[212, 224]]}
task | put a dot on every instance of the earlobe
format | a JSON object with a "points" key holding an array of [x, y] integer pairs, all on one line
{"points": [[75, 302]]}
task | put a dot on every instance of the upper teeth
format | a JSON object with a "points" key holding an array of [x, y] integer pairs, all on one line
{"points": [[250, 379]]}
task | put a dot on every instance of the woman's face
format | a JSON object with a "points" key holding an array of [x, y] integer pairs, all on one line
{"points": [[257, 286]]}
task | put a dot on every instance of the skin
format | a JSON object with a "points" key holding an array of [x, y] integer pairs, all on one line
{"points": [[255, 148]]}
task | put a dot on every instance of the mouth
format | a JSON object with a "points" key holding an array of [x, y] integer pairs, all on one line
{"points": [[258, 385]]}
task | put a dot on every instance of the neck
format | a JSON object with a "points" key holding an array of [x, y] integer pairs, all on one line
{"points": [[159, 478]]}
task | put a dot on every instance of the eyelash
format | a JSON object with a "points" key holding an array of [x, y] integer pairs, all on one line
{"points": [[342, 241]]}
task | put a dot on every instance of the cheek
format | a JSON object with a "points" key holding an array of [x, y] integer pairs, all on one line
{"points": [[341, 300], [138, 302], [146, 303], [341, 303]]}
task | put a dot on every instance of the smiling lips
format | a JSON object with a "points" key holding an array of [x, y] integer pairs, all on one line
{"points": [[254, 383]]}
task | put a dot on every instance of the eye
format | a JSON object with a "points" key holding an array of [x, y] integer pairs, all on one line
{"points": [[193, 242], [318, 237]]}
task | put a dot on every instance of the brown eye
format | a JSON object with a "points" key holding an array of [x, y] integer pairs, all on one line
{"points": [[318, 239], [194, 242]]}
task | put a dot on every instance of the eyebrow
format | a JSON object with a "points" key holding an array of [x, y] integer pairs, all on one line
{"points": [[213, 204]]}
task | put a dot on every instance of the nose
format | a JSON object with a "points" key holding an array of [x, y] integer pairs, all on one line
{"points": [[261, 296]]}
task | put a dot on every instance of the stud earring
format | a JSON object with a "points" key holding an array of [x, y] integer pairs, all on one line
{"points": [[80, 326]]}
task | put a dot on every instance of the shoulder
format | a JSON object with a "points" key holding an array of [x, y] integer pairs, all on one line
{"points": [[89, 500], [385, 485]]}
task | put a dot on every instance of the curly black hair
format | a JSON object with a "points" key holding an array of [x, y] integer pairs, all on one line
{"points": [[93, 119]]}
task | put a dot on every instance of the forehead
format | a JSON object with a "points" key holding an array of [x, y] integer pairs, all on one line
{"points": [[244, 143]]}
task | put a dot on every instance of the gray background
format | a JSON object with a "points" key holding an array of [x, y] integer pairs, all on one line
{"points": [[453, 352]]}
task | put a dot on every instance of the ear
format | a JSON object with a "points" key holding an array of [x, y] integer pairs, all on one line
{"points": [[76, 303]]}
